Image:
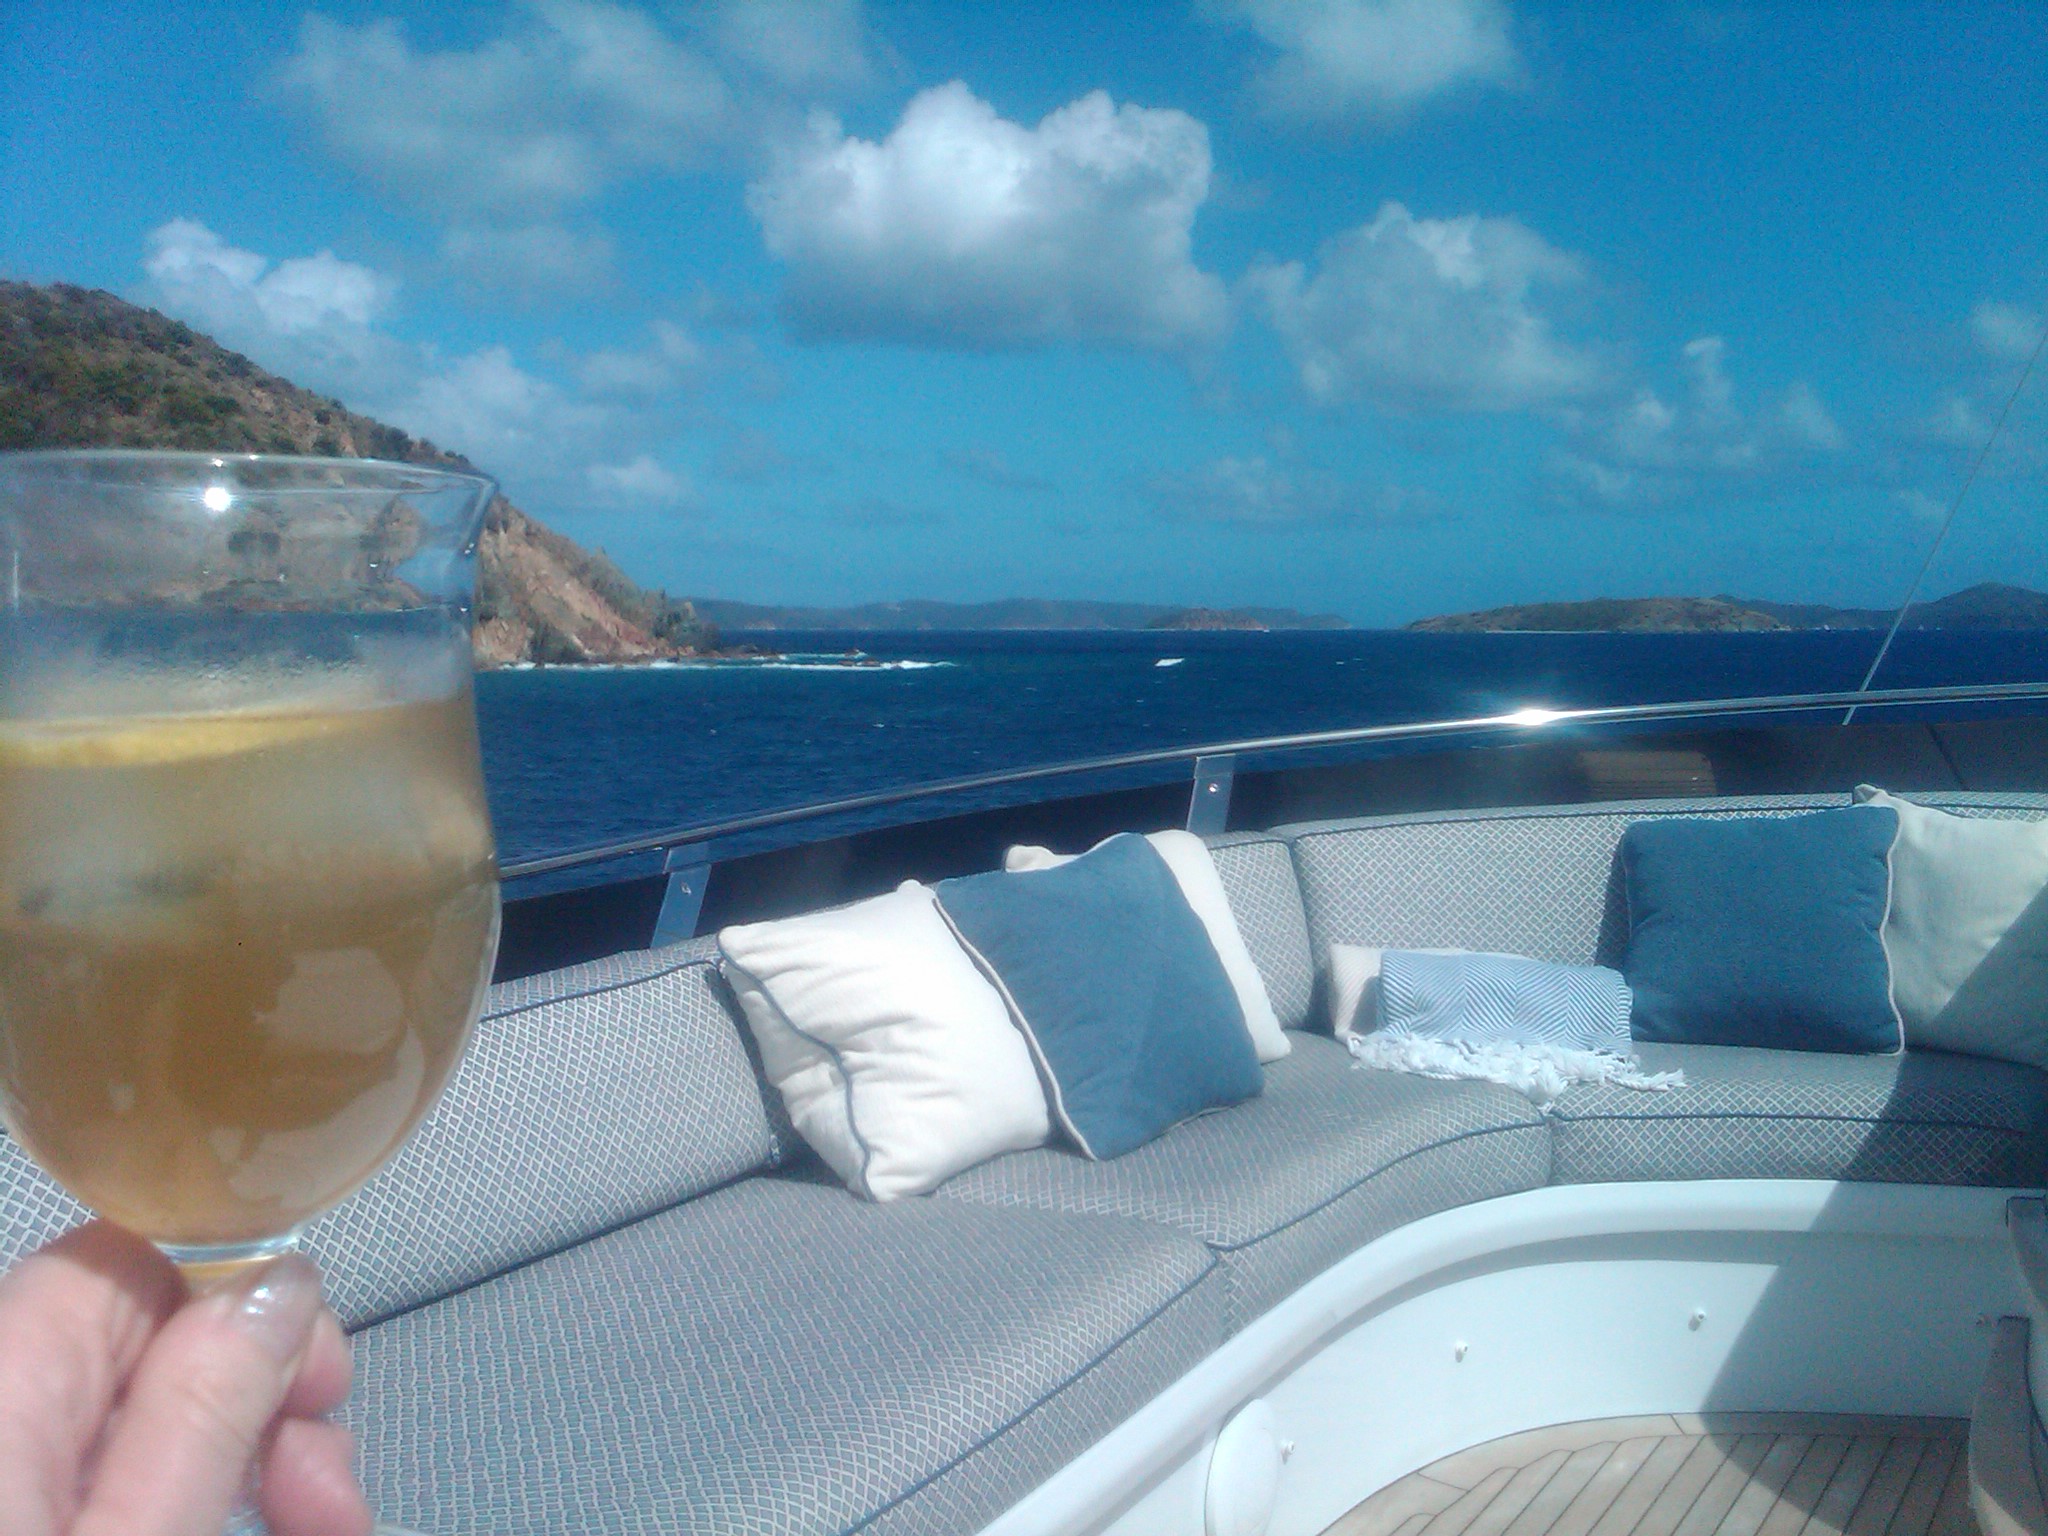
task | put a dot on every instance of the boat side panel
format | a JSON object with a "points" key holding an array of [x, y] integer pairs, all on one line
{"points": [[1570, 1303]]}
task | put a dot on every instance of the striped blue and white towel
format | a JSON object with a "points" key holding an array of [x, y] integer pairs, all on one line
{"points": [[1531, 1025]]}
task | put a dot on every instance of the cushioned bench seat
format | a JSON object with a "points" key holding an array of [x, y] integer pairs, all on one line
{"points": [[1923, 1117], [1544, 882], [777, 1357], [1284, 1185]]}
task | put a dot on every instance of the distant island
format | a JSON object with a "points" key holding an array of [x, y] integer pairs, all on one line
{"points": [[1010, 613], [80, 368], [1257, 619], [1988, 605], [1625, 614]]}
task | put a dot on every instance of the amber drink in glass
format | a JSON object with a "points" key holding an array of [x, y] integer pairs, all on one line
{"points": [[248, 897]]}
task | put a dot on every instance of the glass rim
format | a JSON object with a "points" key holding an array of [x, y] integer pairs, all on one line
{"points": [[390, 474]]}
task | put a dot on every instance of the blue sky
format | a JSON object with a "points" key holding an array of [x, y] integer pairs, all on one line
{"points": [[1385, 307]]}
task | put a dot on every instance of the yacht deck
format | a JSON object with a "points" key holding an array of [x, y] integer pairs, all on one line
{"points": [[1735, 1474]]}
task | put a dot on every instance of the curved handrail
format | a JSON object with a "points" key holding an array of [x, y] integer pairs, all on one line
{"points": [[1515, 720]]}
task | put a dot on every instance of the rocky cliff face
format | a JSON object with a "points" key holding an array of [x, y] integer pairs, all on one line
{"points": [[541, 598], [80, 368]]}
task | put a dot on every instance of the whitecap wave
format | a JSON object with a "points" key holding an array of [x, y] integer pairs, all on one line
{"points": [[828, 664], [1169, 661], [786, 663]]}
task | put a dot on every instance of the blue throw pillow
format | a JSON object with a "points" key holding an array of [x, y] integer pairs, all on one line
{"points": [[1763, 930], [1116, 986]]}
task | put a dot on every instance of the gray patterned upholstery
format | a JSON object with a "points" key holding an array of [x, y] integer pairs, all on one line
{"points": [[1526, 882], [777, 1358], [578, 1313], [1922, 1117], [1265, 898], [1282, 1186], [32, 1208], [588, 1097]]}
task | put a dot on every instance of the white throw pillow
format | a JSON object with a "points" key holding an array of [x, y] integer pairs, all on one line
{"points": [[1967, 933], [1194, 871], [1353, 989], [896, 1057]]}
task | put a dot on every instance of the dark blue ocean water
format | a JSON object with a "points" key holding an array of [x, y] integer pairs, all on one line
{"points": [[584, 756]]}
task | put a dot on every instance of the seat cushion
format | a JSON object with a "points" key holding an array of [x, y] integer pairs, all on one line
{"points": [[1922, 1117], [1265, 897], [777, 1357], [588, 1097], [1329, 1157]]}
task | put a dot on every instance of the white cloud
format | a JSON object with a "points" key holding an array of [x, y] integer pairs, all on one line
{"points": [[1651, 450], [1419, 314], [486, 406], [1586, 478], [641, 481], [2005, 331], [523, 126], [573, 98], [800, 45], [964, 229], [1957, 421], [670, 358], [1808, 418], [1344, 59], [186, 253], [549, 258], [314, 291], [314, 320], [1920, 506], [310, 293], [1713, 396], [1980, 414], [1259, 492]]}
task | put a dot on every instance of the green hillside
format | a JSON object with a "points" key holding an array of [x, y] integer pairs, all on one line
{"points": [[80, 368]]}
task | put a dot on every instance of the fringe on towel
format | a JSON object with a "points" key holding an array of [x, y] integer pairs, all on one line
{"points": [[1542, 1072]]}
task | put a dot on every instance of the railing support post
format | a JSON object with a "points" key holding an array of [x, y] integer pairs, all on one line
{"points": [[689, 872], [1209, 806]]}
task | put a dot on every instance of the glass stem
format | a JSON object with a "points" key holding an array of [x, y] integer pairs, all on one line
{"points": [[207, 1266]]}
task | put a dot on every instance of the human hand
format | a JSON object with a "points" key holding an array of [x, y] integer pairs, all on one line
{"points": [[127, 1409]]}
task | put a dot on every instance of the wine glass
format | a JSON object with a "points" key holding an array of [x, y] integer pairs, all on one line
{"points": [[248, 894]]}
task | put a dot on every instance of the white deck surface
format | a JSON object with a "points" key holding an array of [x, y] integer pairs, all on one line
{"points": [[1690, 1475]]}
